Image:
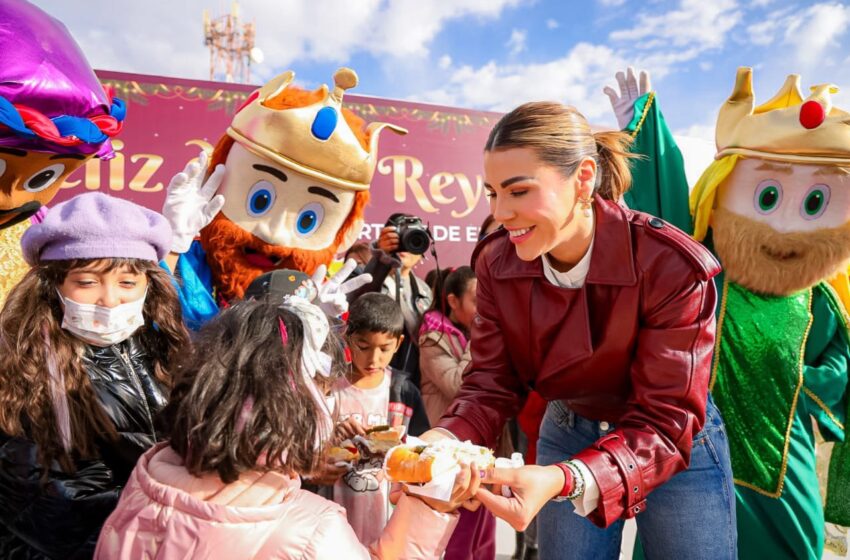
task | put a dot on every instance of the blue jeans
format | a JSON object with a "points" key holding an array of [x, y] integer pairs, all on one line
{"points": [[690, 516]]}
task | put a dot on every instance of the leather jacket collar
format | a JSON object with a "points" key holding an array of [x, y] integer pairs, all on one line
{"points": [[131, 347]]}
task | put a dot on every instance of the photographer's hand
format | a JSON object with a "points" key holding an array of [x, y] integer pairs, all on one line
{"points": [[388, 240]]}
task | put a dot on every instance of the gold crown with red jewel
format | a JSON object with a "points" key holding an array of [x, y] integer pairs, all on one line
{"points": [[315, 139], [786, 128]]}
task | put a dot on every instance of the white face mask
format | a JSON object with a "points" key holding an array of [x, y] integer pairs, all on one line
{"points": [[102, 326]]}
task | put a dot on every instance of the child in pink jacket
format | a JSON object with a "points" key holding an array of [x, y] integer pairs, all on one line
{"points": [[247, 416]]}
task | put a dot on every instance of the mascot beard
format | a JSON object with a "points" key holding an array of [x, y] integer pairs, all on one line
{"points": [[758, 257], [236, 257]]}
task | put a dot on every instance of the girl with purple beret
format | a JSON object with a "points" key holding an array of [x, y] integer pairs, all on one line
{"points": [[87, 339]]}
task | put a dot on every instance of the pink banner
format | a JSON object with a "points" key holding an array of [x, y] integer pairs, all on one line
{"points": [[434, 172]]}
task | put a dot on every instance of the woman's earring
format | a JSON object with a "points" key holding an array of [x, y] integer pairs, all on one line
{"points": [[586, 206]]}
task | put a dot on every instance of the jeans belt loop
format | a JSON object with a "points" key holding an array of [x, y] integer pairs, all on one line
{"points": [[571, 416]]}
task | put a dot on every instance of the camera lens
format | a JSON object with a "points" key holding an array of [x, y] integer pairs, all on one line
{"points": [[415, 241]]}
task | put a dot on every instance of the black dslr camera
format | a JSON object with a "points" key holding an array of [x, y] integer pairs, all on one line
{"points": [[413, 235]]}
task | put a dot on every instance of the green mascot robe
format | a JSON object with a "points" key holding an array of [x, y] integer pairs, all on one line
{"points": [[780, 362]]}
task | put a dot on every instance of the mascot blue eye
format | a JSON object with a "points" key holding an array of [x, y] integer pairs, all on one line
{"points": [[309, 219], [260, 198], [815, 202], [768, 196]]}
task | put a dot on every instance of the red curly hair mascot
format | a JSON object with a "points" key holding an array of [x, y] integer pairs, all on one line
{"points": [[292, 177]]}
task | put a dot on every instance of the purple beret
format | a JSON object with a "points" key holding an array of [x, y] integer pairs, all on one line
{"points": [[97, 226]]}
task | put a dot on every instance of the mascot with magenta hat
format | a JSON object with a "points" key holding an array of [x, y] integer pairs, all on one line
{"points": [[54, 116]]}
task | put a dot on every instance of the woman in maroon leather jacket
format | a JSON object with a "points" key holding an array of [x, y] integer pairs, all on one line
{"points": [[609, 315]]}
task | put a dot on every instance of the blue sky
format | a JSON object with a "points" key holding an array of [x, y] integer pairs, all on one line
{"points": [[494, 54]]}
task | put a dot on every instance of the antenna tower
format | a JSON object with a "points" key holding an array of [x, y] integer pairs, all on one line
{"points": [[231, 45]]}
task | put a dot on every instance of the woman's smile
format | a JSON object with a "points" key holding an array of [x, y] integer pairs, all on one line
{"points": [[518, 235]]}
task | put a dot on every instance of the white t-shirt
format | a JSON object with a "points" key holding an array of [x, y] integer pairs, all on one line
{"points": [[363, 491], [574, 279]]}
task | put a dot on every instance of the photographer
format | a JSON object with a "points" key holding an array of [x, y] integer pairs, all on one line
{"points": [[397, 251]]}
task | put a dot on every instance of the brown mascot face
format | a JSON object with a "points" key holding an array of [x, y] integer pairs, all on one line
{"points": [[779, 228], [30, 180]]}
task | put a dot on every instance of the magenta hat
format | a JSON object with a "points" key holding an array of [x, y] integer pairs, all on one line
{"points": [[97, 226], [50, 99]]}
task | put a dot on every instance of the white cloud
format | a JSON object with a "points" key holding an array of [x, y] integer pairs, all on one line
{"points": [[763, 33], [811, 37], [552, 24], [611, 3], [810, 31], [702, 131], [698, 149], [516, 43], [815, 30], [445, 62], [664, 41], [696, 23], [406, 27], [169, 41], [576, 78]]}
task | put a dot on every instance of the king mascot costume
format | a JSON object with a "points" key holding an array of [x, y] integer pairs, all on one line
{"points": [[292, 173], [774, 207]]}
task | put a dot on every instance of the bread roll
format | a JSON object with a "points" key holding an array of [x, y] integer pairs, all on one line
{"points": [[421, 464], [405, 464]]}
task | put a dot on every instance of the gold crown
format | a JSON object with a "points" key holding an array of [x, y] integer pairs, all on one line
{"points": [[315, 140], [786, 128]]}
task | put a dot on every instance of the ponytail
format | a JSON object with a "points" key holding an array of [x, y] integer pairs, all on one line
{"points": [[613, 174], [561, 137]]}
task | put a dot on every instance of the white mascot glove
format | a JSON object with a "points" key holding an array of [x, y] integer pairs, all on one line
{"points": [[630, 91], [189, 205], [331, 292]]}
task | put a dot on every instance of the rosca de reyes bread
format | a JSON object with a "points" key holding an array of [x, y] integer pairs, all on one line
{"points": [[346, 452], [381, 439], [421, 464]]}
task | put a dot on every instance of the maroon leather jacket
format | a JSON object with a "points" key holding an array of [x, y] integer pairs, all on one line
{"points": [[632, 347]]}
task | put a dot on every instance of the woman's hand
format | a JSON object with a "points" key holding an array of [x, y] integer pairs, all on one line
{"points": [[532, 487]]}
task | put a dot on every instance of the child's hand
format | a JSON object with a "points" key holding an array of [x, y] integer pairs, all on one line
{"points": [[467, 482], [434, 435], [349, 428], [328, 474]]}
